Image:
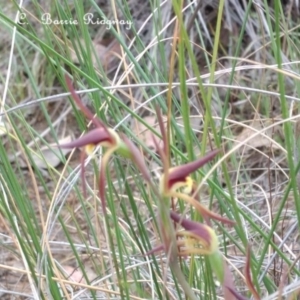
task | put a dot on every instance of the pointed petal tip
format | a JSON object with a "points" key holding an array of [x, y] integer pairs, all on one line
{"points": [[93, 137], [179, 173], [206, 213], [97, 122]]}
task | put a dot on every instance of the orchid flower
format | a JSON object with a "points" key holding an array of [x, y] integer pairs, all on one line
{"points": [[196, 238], [199, 238], [178, 177], [107, 138]]}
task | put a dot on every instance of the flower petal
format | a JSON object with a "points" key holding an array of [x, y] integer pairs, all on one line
{"points": [[204, 232], [180, 173], [203, 211], [192, 243], [93, 137], [98, 123]]}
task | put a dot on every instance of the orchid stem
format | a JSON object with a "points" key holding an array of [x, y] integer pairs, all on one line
{"points": [[174, 266]]}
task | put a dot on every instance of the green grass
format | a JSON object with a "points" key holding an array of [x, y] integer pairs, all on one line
{"points": [[48, 226]]}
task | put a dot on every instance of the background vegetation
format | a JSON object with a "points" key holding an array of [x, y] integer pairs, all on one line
{"points": [[226, 75]]}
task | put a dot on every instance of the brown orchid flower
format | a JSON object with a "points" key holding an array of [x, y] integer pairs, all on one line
{"points": [[196, 238], [199, 238], [107, 138], [178, 177]]}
